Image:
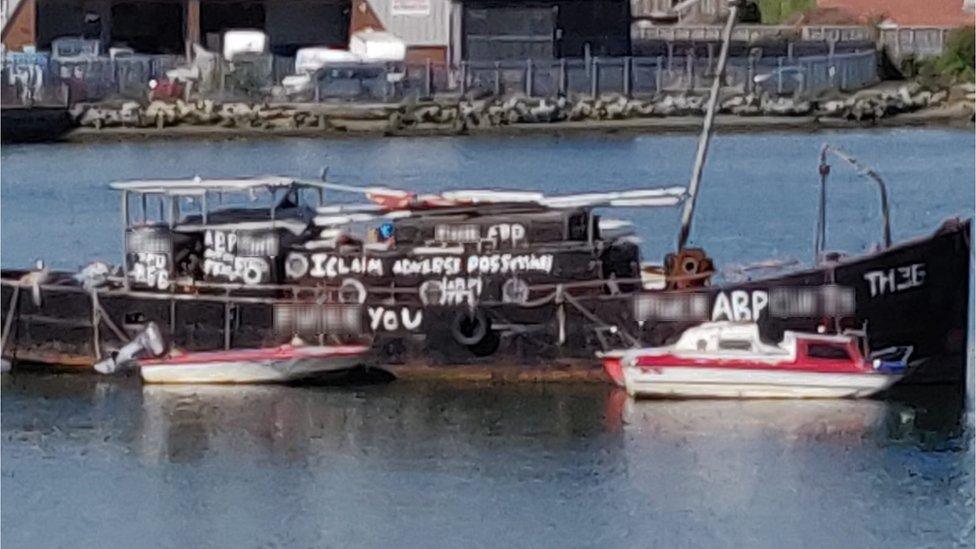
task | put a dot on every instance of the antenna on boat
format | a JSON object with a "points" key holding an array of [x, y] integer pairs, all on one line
{"points": [[706, 133]]}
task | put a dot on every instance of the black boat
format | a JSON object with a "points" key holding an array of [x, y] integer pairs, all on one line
{"points": [[486, 283], [33, 123], [483, 283]]}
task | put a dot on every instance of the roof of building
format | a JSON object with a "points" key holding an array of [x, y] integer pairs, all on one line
{"points": [[910, 13]]}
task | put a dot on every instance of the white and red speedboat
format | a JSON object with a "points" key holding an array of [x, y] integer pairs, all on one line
{"points": [[289, 362], [728, 360], [263, 365]]}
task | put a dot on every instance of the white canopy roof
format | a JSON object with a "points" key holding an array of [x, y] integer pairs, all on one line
{"points": [[197, 186]]}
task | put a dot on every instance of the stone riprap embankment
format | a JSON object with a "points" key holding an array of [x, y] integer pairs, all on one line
{"points": [[865, 106]]}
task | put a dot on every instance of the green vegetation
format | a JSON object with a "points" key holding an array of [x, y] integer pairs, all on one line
{"points": [[959, 58], [774, 12], [957, 64]]}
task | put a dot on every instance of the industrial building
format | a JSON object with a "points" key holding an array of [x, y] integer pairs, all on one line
{"points": [[443, 31]]}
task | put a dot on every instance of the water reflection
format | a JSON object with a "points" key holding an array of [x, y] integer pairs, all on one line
{"points": [[824, 420], [398, 422], [103, 462], [183, 424]]}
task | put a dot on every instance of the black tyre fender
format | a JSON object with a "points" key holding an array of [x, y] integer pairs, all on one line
{"points": [[470, 327]]}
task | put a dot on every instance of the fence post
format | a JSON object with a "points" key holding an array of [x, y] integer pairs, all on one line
{"points": [[670, 56], [464, 77], [563, 81], [801, 87], [528, 77], [750, 74], [789, 50], [711, 59], [779, 76], [831, 66], [428, 78], [498, 79], [690, 68], [657, 73], [844, 66], [595, 78], [627, 78]]}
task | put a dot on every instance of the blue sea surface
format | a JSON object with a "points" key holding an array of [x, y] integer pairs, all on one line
{"points": [[91, 461]]}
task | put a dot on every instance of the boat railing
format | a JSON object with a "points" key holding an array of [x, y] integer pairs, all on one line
{"points": [[560, 294], [824, 170]]}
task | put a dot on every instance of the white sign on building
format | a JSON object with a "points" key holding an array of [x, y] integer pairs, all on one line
{"points": [[410, 7]]}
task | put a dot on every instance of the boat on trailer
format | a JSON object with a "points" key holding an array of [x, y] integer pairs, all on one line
{"points": [[729, 360]]}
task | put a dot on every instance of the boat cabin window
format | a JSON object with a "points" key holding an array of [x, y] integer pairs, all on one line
{"points": [[735, 345], [256, 203], [546, 231], [188, 206], [578, 226], [827, 351], [147, 209]]}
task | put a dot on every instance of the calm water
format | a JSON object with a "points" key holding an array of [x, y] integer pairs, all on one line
{"points": [[90, 461]]}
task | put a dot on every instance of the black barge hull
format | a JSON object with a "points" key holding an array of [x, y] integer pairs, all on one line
{"points": [[915, 293]]}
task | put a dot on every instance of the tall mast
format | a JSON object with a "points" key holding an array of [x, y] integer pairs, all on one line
{"points": [[706, 133]]}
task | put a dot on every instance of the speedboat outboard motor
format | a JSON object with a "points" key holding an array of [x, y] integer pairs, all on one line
{"points": [[149, 340]]}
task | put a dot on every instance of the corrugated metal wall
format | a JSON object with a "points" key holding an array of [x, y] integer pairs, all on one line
{"points": [[430, 29]]}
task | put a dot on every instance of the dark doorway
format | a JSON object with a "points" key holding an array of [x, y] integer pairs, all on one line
{"points": [[149, 27], [293, 24], [218, 17], [59, 18], [603, 24], [498, 31], [516, 30]]}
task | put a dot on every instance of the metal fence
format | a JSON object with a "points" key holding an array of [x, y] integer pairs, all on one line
{"points": [[630, 76], [645, 30], [41, 80], [919, 42], [36, 78]]}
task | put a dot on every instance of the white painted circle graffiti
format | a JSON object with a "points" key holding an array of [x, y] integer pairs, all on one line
{"points": [[296, 266], [352, 291], [515, 290]]}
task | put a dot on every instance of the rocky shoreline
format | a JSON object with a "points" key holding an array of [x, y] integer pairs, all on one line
{"points": [[906, 104]]}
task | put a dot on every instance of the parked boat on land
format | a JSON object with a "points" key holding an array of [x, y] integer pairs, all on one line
{"points": [[729, 360]]}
